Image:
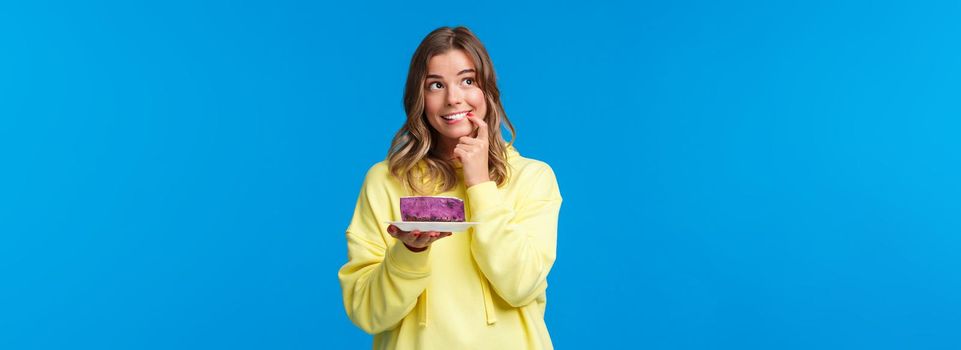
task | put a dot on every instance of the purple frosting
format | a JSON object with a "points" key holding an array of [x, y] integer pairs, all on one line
{"points": [[432, 209]]}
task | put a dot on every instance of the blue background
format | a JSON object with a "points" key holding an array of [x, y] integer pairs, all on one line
{"points": [[736, 175]]}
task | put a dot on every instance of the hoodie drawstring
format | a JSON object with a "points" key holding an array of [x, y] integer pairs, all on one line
{"points": [[488, 302], [422, 301], [489, 311]]}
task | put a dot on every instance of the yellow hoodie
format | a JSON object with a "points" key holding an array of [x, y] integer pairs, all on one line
{"points": [[479, 289]]}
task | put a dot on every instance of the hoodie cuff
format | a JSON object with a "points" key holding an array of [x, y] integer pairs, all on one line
{"points": [[406, 263], [483, 197]]}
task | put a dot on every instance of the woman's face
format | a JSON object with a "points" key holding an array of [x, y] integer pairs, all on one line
{"points": [[450, 91]]}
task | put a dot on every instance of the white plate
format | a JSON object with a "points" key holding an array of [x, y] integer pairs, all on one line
{"points": [[441, 226]]}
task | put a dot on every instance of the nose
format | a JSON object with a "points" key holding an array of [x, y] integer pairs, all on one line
{"points": [[454, 96]]}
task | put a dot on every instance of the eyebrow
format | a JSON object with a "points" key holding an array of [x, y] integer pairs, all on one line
{"points": [[468, 70]]}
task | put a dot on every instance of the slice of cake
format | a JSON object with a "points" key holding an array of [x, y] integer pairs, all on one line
{"points": [[427, 208]]}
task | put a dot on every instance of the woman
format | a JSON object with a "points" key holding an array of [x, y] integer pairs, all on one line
{"points": [[479, 289]]}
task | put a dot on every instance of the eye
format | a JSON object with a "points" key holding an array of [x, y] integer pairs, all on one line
{"points": [[434, 85], [469, 81]]}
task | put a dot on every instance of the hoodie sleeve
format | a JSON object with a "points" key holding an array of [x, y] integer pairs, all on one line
{"points": [[516, 248], [380, 282]]}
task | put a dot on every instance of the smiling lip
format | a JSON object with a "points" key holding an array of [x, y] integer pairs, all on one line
{"points": [[447, 115], [452, 122]]}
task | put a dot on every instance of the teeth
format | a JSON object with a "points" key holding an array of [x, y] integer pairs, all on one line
{"points": [[455, 116]]}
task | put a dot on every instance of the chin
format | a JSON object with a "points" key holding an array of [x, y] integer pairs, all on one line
{"points": [[453, 133]]}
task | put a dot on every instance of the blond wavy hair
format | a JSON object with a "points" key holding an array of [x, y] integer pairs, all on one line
{"points": [[411, 157]]}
